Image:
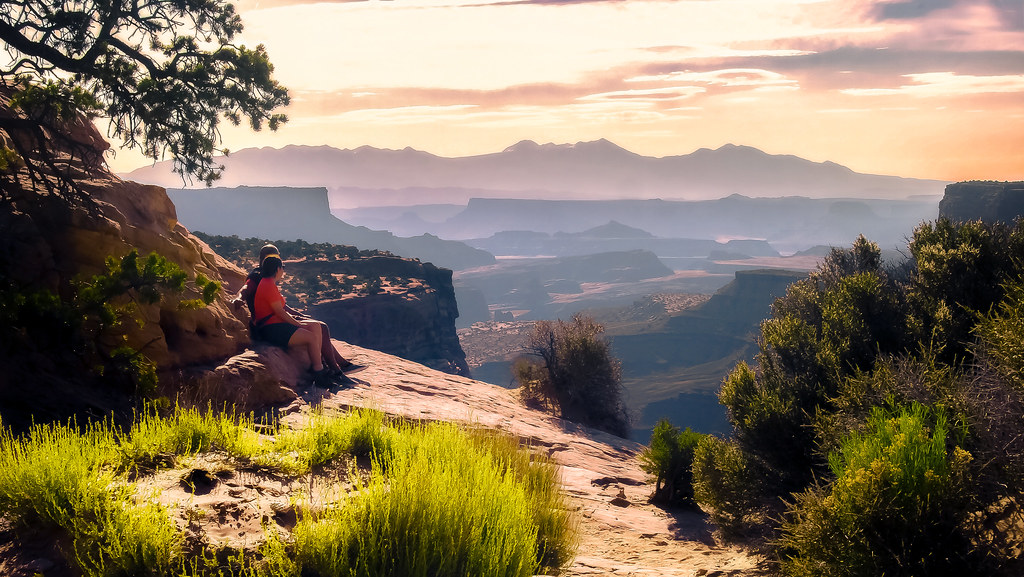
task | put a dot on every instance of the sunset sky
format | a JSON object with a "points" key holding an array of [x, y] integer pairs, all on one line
{"points": [[921, 88]]}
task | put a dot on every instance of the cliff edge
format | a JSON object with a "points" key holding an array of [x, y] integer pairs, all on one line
{"points": [[987, 201]]}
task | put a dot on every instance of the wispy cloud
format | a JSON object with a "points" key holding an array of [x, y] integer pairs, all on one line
{"points": [[649, 94], [938, 84], [753, 77]]}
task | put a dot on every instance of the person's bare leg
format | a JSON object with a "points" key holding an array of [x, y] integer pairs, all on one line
{"points": [[332, 358], [310, 339]]}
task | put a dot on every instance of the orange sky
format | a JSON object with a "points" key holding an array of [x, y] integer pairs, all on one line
{"points": [[922, 88]]}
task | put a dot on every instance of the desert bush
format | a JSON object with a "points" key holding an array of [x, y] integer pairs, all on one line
{"points": [[440, 503], [1001, 333], [725, 484], [831, 325], [534, 384], [886, 406], [895, 507], [539, 474], [669, 457], [576, 373], [154, 439], [961, 271], [326, 438]]}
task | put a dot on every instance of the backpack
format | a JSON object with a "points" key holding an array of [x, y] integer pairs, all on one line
{"points": [[252, 282]]}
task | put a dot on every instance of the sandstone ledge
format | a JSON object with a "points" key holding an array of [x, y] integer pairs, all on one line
{"points": [[620, 537]]}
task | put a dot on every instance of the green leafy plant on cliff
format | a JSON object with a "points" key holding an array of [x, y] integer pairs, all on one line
{"points": [[84, 330]]}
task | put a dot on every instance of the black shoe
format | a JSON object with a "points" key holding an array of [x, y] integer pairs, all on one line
{"points": [[351, 368], [342, 381], [322, 378]]}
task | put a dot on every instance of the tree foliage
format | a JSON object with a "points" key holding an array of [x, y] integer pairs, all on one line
{"points": [[574, 371], [828, 326], [163, 73]]}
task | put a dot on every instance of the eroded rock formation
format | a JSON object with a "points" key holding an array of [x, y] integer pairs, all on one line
{"points": [[49, 238], [413, 316]]}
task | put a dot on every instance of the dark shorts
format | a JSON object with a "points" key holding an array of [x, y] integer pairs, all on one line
{"points": [[277, 334]]}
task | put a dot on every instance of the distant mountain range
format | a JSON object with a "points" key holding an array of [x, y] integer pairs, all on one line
{"points": [[302, 213], [522, 227], [368, 176]]}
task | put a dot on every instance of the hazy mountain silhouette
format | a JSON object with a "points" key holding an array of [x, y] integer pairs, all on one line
{"points": [[368, 176], [302, 213]]}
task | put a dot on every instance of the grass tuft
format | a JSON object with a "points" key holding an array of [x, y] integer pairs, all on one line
{"points": [[440, 504], [59, 477]]}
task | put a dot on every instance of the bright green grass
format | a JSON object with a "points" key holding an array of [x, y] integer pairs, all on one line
{"points": [[326, 438], [442, 501], [60, 477], [188, 431], [438, 500]]}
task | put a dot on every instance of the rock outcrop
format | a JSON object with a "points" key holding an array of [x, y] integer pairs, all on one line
{"points": [[986, 201], [413, 318], [48, 240]]}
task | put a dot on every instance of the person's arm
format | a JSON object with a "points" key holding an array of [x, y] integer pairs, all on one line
{"points": [[242, 293], [279, 309], [295, 313]]}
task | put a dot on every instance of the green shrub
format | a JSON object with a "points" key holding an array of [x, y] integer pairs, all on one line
{"points": [[830, 325], [961, 271], [187, 431], [438, 504], [894, 508], [576, 373], [437, 500], [82, 330], [724, 484], [669, 458], [849, 339], [326, 438], [539, 474], [1001, 333]]}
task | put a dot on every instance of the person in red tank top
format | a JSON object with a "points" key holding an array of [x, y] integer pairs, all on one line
{"points": [[276, 326], [338, 364]]}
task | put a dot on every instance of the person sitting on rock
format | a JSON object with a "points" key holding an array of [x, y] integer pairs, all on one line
{"points": [[276, 326], [330, 355]]}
